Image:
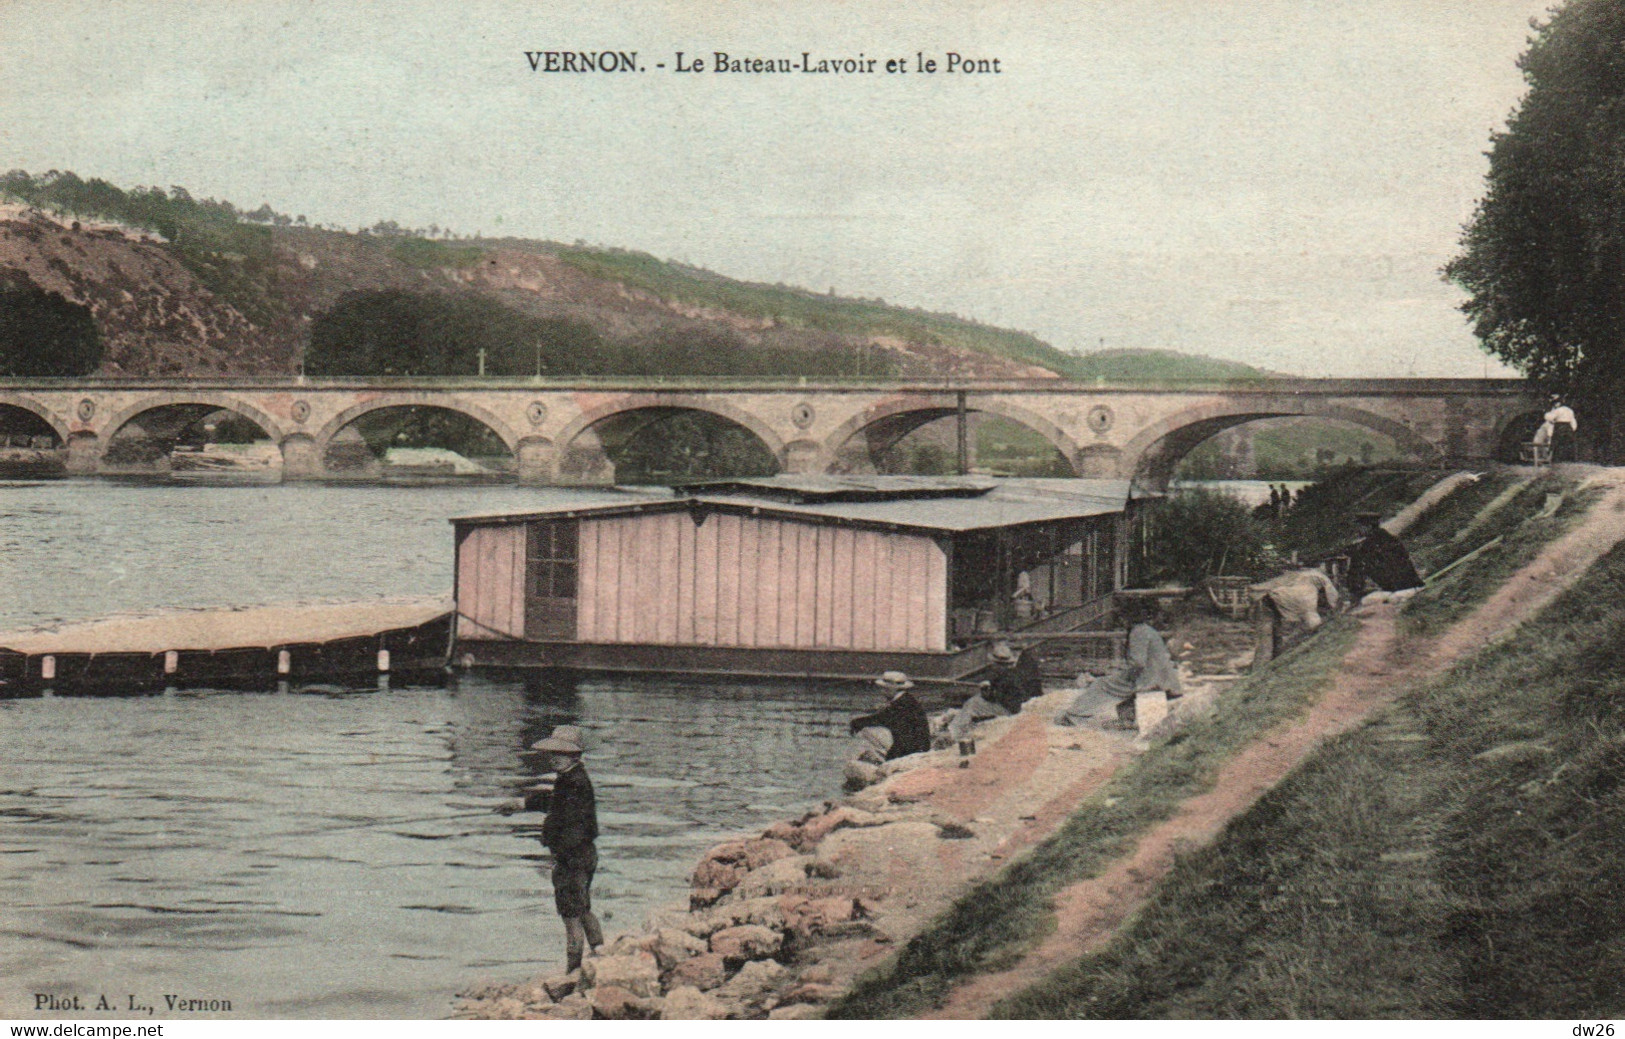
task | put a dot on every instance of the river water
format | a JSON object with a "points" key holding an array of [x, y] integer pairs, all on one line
{"points": [[332, 853]]}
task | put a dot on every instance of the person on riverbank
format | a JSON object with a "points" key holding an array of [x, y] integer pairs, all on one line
{"points": [[570, 832], [1557, 429], [1147, 667], [1379, 558], [1295, 598], [902, 716], [1015, 678]]}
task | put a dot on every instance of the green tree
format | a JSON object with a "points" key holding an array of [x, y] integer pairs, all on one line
{"points": [[1543, 259], [42, 333], [410, 333], [1198, 532]]}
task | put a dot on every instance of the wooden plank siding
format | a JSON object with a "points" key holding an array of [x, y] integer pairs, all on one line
{"points": [[742, 581], [491, 583]]}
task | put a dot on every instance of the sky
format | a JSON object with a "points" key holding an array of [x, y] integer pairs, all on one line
{"points": [[1275, 182]]}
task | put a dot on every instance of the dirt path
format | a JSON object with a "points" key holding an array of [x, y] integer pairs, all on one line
{"points": [[1376, 669]]}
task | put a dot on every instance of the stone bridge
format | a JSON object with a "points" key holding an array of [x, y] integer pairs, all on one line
{"points": [[555, 428]]}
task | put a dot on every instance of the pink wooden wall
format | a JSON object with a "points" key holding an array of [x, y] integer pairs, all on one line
{"points": [[491, 583], [744, 581]]}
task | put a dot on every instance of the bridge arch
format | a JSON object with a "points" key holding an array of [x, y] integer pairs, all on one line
{"points": [[441, 401], [1150, 457], [898, 418], [674, 402], [580, 448], [219, 401], [1516, 430], [40, 411]]}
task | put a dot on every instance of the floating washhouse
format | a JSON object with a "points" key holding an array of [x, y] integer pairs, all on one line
{"points": [[790, 575]]}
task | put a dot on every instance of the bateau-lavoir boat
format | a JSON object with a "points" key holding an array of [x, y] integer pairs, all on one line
{"points": [[807, 576]]}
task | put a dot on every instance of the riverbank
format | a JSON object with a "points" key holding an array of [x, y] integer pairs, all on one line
{"points": [[778, 924], [1456, 857], [1119, 848]]}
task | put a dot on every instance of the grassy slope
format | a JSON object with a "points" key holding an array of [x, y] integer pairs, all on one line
{"points": [[1523, 532], [1323, 522], [1456, 857], [997, 919]]}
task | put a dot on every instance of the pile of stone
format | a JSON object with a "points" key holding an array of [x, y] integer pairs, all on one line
{"points": [[738, 950]]}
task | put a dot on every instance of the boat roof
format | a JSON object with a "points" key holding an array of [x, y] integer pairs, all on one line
{"points": [[944, 504]]}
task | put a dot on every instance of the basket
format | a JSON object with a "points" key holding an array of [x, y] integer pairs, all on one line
{"points": [[1230, 596], [1536, 454]]}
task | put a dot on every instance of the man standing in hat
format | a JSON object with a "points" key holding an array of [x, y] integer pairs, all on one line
{"points": [[902, 716], [1379, 558], [569, 831]]}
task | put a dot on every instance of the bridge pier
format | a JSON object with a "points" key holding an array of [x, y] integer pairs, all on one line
{"points": [[537, 463], [585, 463], [802, 456], [300, 459], [84, 454]]}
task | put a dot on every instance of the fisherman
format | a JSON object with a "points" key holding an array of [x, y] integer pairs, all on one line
{"points": [[1380, 558], [902, 716], [569, 831], [1146, 668]]}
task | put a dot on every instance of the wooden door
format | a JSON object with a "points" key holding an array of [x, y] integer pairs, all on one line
{"points": [[551, 579]]}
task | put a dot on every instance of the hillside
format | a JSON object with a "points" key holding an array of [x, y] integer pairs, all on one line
{"points": [[181, 286]]}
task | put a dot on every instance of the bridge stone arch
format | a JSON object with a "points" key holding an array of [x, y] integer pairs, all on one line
{"points": [[439, 401], [1515, 430], [57, 423], [1150, 457], [223, 401], [581, 454], [906, 415]]}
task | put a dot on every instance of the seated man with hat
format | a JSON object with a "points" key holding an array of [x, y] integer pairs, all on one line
{"points": [[569, 831], [1015, 678], [902, 716]]}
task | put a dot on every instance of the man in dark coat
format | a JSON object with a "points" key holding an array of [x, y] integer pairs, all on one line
{"points": [[1015, 679], [569, 831], [1381, 559], [902, 716]]}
